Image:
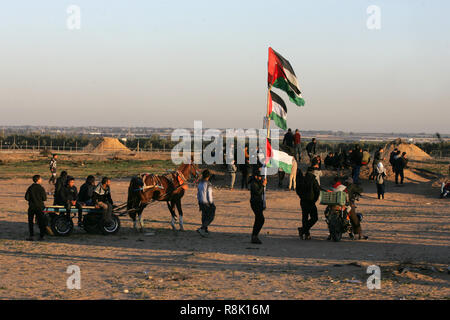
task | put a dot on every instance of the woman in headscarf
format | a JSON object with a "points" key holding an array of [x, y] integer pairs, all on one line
{"points": [[379, 180]]}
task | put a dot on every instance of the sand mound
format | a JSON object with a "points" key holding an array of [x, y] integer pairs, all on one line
{"points": [[106, 144], [412, 151]]}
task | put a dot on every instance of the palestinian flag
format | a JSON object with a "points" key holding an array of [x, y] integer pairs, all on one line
{"points": [[282, 76], [277, 110], [279, 159]]}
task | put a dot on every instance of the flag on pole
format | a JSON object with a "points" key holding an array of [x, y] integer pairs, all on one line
{"points": [[282, 76], [277, 110], [279, 159]]}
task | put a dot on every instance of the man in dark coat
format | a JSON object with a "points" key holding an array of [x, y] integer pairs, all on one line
{"points": [[399, 165], [59, 185], [311, 149], [87, 191], [69, 198], [308, 190], [257, 203], [102, 199], [36, 196]]}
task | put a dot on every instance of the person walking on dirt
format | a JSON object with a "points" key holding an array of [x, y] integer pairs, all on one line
{"points": [[308, 190], [257, 203], [298, 145], [102, 199], [399, 165], [379, 180], [311, 149], [35, 195], [70, 199], [53, 169], [205, 203]]}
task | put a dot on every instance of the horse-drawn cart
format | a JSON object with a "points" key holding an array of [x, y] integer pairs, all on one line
{"points": [[62, 225]]}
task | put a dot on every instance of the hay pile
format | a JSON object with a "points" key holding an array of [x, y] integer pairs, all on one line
{"points": [[412, 151], [105, 145]]}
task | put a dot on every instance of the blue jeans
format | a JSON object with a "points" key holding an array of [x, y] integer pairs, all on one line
{"points": [[356, 171]]}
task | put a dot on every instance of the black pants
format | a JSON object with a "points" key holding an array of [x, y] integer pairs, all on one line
{"points": [[208, 214], [245, 176], [77, 205], [309, 215], [380, 190], [257, 208], [41, 220], [400, 173]]}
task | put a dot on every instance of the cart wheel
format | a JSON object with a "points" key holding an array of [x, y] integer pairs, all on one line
{"points": [[62, 225], [113, 228]]}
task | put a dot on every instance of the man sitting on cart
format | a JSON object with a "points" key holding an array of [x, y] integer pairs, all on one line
{"points": [[102, 199], [69, 198]]}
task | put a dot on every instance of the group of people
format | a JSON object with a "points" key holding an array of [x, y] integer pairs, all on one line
{"points": [[399, 162], [66, 194]]}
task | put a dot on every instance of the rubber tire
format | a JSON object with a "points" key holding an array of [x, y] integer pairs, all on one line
{"points": [[335, 227], [114, 229], [57, 222]]}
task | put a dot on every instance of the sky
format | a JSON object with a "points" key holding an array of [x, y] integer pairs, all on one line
{"points": [[168, 63]]}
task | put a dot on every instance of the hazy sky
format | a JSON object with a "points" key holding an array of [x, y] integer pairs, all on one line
{"points": [[168, 63]]}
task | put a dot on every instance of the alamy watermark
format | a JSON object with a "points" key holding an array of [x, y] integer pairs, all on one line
{"points": [[74, 280], [73, 21], [374, 20], [222, 146]]}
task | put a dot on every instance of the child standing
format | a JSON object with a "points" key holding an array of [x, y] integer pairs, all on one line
{"points": [[205, 203], [379, 180]]}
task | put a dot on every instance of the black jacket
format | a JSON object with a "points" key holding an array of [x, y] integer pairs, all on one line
{"points": [[311, 148], [288, 139], [86, 192], [101, 195], [59, 186], [256, 191], [307, 187], [400, 163], [69, 194], [36, 196], [357, 157]]}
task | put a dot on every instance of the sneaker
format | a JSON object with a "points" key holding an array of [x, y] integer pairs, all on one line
{"points": [[256, 240], [300, 233], [202, 232], [307, 237]]}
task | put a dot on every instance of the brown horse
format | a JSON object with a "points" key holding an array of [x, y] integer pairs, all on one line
{"points": [[169, 187]]}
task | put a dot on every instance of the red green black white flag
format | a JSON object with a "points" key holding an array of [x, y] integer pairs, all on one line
{"points": [[277, 110], [282, 76]]}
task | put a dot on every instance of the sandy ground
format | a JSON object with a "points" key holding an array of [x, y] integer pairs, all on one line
{"points": [[409, 240]]}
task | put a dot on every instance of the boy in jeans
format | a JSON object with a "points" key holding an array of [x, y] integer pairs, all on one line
{"points": [[205, 203]]}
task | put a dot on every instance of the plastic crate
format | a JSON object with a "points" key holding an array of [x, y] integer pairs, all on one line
{"points": [[333, 198]]}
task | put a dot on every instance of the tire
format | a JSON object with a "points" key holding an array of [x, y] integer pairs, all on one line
{"points": [[110, 230], [61, 226], [335, 227]]}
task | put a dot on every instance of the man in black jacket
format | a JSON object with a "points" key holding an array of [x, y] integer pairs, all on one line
{"points": [[257, 204], [308, 190], [311, 148], [59, 186], [69, 198], [36, 196], [399, 165], [102, 199], [357, 156], [288, 138], [87, 191]]}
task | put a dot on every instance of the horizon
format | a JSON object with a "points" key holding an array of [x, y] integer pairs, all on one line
{"points": [[165, 65]]}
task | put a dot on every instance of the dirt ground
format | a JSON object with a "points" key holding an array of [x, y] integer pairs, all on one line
{"points": [[409, 239]]}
